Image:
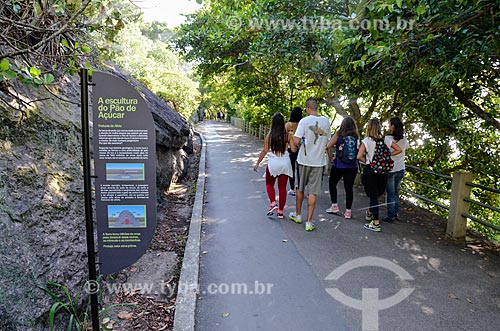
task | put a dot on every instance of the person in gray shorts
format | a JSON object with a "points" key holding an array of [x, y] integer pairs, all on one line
{"points": [[313, 134]]}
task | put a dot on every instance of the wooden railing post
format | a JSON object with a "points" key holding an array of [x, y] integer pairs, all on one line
{"points": [[457, 224]]}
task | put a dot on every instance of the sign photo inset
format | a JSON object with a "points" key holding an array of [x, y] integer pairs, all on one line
{"points": [[125, 171], [126, 216]]}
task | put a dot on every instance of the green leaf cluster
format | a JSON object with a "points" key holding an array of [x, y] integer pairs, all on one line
{"points": [[142, 49], [27, 75]]}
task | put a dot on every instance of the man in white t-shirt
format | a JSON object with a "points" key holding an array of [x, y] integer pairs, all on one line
{"points": [[313, 134]]}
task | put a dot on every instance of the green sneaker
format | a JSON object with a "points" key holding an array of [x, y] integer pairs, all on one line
{"points": [[372, 226], [296, 218], [309, 226]]}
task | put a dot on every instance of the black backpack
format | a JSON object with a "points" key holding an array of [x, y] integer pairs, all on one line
{"points": [[347, 149], [382, 162]]}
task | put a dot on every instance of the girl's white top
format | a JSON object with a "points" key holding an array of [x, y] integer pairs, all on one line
{"points": [[399, 160], [279, 165]]}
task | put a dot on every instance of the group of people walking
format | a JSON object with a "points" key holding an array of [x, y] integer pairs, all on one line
{"points": [[296, 152], [220, 116]]}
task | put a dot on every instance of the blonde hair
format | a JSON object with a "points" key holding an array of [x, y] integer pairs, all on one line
{"points": [[373, 129]]}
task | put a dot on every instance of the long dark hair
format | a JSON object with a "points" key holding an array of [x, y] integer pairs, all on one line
{"points": [[398, 128], [296, 114], [278, 135], [348, 127]]}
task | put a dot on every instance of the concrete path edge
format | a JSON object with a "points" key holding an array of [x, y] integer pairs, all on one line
{"points": [[187, 290]]}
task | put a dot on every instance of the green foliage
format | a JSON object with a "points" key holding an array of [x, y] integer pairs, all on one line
{"points": [[72, 307], [343, 52], [227, 41], [27, 75], [65, 303], [142, 50]]}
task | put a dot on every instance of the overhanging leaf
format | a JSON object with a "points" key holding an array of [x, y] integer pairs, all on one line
{"points": [[4, 65]]}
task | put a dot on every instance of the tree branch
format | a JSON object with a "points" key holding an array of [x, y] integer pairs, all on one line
{"points": [[464, 100], [354, 108], [50, 37], [58, 97], [332, 99], [371, 109]]}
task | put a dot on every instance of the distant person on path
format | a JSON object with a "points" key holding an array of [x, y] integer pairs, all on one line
{"points": [[313, 133], [395, 177], [218, 116], [374, 183], [278, 165], [344, 165], [222, 116], [291, 126]]}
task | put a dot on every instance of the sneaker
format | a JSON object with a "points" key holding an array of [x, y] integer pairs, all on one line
{"points": [[309, 226], [291, 192], [272, 208], [334, 209], [372, 226], [296, 218], [369, 216], [347, 214], [280, 214], [388, 219]]}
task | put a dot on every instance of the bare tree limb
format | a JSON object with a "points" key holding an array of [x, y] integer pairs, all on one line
{"points": [[46, 39], [464, 100]]}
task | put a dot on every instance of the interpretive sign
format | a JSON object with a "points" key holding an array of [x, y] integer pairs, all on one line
{"points": [[124, 143]]}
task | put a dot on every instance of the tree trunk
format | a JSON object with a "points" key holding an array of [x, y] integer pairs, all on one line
{"points": [[332, 99], [335, 103], [354, 109]]}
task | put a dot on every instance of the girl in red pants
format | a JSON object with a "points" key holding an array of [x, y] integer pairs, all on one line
{"points": [[278, 165]]}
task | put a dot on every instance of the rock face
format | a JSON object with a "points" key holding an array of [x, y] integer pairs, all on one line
{"points": [[42, 227]]}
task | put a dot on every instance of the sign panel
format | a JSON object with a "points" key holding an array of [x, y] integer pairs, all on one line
{"points": [[124, 143]]}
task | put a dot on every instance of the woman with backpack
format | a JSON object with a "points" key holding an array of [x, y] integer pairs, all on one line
{"points": [[278, 164], [344, 165], [378, 161], [291, 126], [397, 173]]}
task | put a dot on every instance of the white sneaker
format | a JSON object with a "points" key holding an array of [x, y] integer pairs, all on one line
{"points": [[347, 213], [291, 192], [334, 209], [294, 217], [309, 226]]}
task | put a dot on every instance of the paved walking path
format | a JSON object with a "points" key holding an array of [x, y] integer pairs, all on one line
{"points": [[260, 273]]}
